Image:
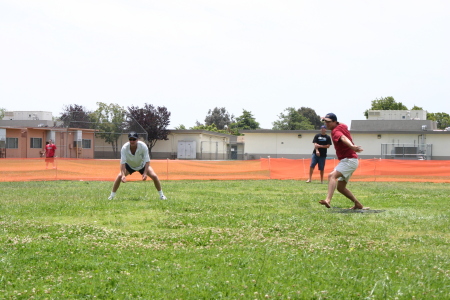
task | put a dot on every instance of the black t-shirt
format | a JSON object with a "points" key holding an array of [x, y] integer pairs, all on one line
{"points": [[322, 140]]}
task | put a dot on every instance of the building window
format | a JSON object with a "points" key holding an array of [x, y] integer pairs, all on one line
{"points": [[36, 143], [86, 144], [12, 143]]}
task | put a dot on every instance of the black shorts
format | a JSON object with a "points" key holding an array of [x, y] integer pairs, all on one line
{"points": [[131, 171]]}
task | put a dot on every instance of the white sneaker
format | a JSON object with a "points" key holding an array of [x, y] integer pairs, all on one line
{"points": [[110, 197], [162, 197]]}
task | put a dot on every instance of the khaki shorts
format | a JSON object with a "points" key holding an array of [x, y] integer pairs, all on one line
{"points": [[346, 167]]}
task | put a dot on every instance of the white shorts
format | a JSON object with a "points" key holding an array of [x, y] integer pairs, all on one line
{"points": [[346, 167]]}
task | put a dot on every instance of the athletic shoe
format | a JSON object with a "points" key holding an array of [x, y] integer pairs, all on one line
{"points": [[110, 197], [162, 197]]}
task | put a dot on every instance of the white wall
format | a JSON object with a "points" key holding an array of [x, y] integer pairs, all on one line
{"points": [[441, 144], [208, 142], [28, 115], [288, 145], [281, 144]]}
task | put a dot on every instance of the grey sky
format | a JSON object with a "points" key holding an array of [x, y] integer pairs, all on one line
{"points": [[191, 56]]}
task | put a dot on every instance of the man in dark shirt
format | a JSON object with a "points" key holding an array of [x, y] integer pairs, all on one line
{"points": [[322, 142]]}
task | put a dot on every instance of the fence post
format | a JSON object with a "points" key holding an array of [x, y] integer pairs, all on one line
{"points": [[270, 172], [167, 173]]}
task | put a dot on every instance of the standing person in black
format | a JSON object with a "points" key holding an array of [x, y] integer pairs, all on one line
{"points": [[322, 142]]}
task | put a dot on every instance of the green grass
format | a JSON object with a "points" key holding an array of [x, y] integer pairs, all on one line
{"points": [[223, 240]]}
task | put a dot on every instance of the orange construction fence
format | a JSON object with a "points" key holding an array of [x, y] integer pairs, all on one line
{"points": [[34, 169]]}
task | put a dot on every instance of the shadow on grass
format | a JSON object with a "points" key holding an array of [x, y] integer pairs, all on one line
{"points": [[354, 211]]}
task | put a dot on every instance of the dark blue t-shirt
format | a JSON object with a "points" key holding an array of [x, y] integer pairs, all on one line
{"points": [[322, 140]]}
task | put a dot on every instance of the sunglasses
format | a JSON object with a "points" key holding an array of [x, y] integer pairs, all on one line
{"points": [[132, 140]]}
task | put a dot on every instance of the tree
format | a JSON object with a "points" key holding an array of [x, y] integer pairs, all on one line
{"points": [[387, 103], [153, 120], [2, 113], [245, 122], [220, 117], [110, 122], [311, 115], [415, 107], [76, 116], [293, 120], [442, 119], [211, 127], [180, 127]]}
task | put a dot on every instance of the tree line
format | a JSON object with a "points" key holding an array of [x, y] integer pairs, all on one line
{"points": [[111, 120]]}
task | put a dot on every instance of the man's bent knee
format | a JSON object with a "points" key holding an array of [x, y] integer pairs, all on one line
{"points": [[334, 175], [153, 176], [341, 189]]}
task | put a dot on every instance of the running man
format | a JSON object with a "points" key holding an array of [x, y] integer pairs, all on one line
{"points": [[348, 161]]}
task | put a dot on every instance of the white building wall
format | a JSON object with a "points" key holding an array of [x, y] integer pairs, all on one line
{"points": [[28, 115], [288, 145], [397, 115], [440, 142], [205, 141], [372, 144]]}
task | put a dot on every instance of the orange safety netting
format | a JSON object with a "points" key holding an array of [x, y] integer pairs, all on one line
{"points": [[273, 168], [368, 169]]}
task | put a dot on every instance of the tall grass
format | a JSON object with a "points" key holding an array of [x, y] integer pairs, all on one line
{"points": [[223, 239]]}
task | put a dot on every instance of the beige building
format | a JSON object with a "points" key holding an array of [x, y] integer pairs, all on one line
{"points": [[399, 139], [184, 144]]}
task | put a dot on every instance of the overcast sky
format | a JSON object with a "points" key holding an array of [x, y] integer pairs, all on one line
{"points": [[192, 56]]}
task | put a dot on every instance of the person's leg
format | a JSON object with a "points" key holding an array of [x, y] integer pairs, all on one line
{"points": [[332, 184], [151, 173], [311, 170], [311, 167], [321, 167], [342, 188], [117, 183]]}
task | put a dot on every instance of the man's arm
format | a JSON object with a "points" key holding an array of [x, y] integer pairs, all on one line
{"points": [[123, 172], [349, 144], [144, 175], [321, 146]]}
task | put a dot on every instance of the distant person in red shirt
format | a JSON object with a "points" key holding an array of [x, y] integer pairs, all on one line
{"points": [[348, 161], [50, 153]]}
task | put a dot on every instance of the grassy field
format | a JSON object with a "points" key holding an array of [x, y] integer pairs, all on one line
{"points": [[223, 240]]}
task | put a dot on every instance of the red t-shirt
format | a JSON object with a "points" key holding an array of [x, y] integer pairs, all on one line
{"points": [[50, 150], [342, 151]]}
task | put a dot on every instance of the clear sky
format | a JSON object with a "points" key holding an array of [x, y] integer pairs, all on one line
{"points": [[192, 56]]}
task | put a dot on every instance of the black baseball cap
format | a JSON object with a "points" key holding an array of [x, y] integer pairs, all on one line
{"points": [[133, 135], [330, 117]]}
